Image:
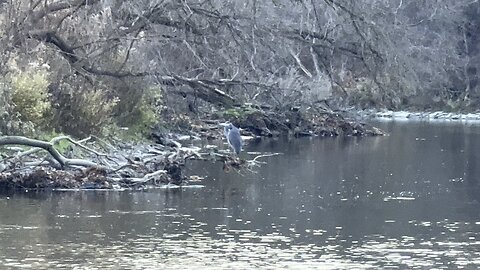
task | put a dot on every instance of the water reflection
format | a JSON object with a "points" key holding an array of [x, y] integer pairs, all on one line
{"points": [[407, 200]]}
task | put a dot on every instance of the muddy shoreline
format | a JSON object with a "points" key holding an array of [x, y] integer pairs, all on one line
{"points": [[162, 162]]}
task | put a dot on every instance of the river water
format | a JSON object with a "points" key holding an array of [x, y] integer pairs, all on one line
{"points": [[408, 200]]}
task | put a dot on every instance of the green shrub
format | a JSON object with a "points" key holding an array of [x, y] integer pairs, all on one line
{"points": [[235, 113], [145, 113], [10, 124], [81, 111], [29, 95], [232, 113]]}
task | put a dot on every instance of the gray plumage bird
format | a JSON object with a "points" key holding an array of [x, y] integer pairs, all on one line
{"points": [[234, 138]]}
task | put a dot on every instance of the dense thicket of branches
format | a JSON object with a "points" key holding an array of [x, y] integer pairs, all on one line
{"points": [[282, 52]]}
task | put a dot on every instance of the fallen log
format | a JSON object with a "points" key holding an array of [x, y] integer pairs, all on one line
{"points": [[135, 166], [47, 146]]}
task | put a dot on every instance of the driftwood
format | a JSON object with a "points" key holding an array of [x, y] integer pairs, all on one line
{"points": [[120, 167], [47, 146], [137, 166], [85, 166]]}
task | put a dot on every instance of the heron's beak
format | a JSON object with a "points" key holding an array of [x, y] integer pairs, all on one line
{"points": [[224, 124]]}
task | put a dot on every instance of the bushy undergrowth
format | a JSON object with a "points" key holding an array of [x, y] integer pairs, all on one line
{"points": [[144, 111], [30, 96], [80, 110], [34, 104], [9, 120], [24, 104], [365, 93]]}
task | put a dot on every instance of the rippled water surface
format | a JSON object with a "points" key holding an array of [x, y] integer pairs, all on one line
{"points": [[408, 200]]}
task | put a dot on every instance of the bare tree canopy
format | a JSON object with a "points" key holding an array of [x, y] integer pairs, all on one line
{"points": [[367, 53]]}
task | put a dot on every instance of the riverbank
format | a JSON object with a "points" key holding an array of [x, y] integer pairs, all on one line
{"points": [[420, 116], [64, 163]]}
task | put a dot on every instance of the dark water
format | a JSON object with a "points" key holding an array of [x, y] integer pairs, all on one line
{"points": [[409, 200]]}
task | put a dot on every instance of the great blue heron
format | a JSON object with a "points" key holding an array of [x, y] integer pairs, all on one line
{"points": [[233, 137]]}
